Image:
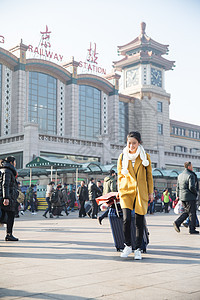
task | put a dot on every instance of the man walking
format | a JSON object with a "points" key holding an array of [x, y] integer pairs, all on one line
{"points": [[109, 185], [30, 198], [187, 193], [82, 193], [93, 190]]}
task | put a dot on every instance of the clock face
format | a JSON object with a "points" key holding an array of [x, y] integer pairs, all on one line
{"points": [[132, 77], [156, 77]]}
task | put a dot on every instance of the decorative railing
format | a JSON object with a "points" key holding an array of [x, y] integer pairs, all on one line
{"points": [[11, 139], [185, 155], [64, 140]]}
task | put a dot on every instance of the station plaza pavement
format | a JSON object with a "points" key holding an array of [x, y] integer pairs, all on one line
{"points": [[74, 258]]}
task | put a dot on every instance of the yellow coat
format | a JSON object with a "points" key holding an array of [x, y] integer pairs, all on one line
{"points": [[137, 184]]}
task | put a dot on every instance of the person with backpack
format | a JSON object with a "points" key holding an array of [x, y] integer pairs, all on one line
{"points": [[135, 184], [57, 201], [50, 188], [82, 194], [8, 194], [93, 191], [109, 185]]}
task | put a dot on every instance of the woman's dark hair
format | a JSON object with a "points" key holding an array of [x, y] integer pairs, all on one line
{"points": [[136, 135], [10, 159]]}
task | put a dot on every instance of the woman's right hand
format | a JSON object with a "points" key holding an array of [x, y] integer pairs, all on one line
{"points": [[6, 202]]}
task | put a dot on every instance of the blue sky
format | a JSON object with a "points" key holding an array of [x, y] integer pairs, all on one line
{"points": [[112, 23]]}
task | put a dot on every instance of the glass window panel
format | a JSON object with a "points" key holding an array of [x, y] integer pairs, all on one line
{"points": [[42, 106], [42, 78], [88, 97], [33, 74], [34, 92], [42, 91]]}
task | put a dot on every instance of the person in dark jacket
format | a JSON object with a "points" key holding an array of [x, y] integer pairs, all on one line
{"points": [[57, 201], [65, 199], [109, 185], [72, 199], [82, 193], [30, 198], [8, 193], [187, 193], [186, 223], [93, 190]]}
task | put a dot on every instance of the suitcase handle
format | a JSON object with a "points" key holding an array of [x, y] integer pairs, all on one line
{"points": [[116, 208]]}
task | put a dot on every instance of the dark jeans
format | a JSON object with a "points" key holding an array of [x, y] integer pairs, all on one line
{"points": [[189, 210], [151, 207], [94, 208], [166, 207], [139, 224], [49, 206], [10, 220], [82, 208], [33, 206]]}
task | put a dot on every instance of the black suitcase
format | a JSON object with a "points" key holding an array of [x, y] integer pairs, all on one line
{"points": [[158, 207], [116, 224], [88, 208], [56, 210]]}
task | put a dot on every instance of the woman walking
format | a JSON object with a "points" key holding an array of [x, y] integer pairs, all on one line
{"points": [[50, 188], [8, 194], [135, 186]]}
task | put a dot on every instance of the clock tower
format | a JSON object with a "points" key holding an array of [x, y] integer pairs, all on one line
{"points": [[143, 77]]}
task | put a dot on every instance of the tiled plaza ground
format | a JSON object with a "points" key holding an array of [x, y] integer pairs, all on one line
{"points": [[73, 258]]}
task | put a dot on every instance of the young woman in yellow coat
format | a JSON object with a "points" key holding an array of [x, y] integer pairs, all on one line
{"points": [[135, 186]]}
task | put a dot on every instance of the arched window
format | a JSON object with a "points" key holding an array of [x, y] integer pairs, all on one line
{"points": [[42, 101], [89, 112]]}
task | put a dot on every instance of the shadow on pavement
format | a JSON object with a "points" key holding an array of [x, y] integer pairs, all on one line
{"points": [[21, 293]]}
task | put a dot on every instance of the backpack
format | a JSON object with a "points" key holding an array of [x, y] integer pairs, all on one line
{"points": [[54, 196], [21, 197]]}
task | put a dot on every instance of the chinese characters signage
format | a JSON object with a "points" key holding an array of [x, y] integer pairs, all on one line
{"points": [[44, 49], [91, 63]]}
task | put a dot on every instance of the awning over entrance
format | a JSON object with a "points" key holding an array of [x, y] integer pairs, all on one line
{"points": [[56, 163], [53, 163]]}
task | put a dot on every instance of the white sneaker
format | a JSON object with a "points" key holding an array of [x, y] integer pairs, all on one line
{"points": [[137, 254], [127, 250]]}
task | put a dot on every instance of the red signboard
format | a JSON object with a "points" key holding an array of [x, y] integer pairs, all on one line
{"points": [[43, 50]]}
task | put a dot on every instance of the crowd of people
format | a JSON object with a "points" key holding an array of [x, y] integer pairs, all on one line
{"points": [[134, 187]]}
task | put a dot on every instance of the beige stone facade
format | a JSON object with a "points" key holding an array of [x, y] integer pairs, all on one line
{"points": [[141, 103]]}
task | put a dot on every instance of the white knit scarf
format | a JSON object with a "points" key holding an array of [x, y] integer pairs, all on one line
{"points": [[128, 156]]}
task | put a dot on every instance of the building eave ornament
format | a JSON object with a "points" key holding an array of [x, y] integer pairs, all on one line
{"points": [[143, 50]]}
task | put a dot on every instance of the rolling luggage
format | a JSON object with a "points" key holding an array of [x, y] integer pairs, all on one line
{"points": [[158, 207], [88, 208], [116, 224], [56, 210]]}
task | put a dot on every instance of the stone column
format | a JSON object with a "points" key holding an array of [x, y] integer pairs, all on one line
{"points": [[31, 142]]}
